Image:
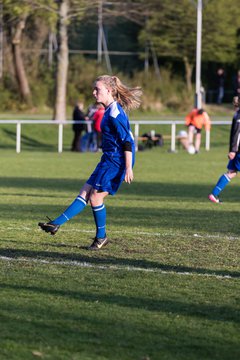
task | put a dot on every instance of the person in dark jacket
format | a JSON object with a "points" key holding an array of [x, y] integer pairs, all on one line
{"points": [[220, 84], [78, 115], [236, 84], [233, 155]]}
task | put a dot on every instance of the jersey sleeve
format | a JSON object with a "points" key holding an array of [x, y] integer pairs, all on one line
{"points": [[122, 129], [234, 135]]}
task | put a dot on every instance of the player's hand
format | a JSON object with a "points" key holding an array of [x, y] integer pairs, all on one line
{"points": [[231, 155], [129, 175]]}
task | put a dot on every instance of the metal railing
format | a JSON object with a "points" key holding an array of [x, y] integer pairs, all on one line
{"points": [[136, 124]]}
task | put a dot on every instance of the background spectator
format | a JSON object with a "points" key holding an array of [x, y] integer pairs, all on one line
{"points": [[88, 143], [78, 115], [195, 120], [220, 85], [236, 84]]}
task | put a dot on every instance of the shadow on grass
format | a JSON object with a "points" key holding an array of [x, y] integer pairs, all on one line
{"points": [[160, 219], [145, 264], [141, 189], [46, 184], [124, 332], [166, 215], [211, 312], [27, 141]]}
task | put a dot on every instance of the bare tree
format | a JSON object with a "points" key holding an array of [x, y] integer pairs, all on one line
{"points": [[16, 17], [62, 11], [62, 62], [17, 30]]}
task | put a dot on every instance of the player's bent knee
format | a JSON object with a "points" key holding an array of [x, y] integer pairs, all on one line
{"points": [[232, 174], [96, 197]]}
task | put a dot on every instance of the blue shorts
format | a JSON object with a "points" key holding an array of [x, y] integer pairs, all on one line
{"points": [[107, 176], [235, 163]]}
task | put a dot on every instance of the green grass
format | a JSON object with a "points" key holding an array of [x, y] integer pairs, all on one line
{"points": [[166, 287]]}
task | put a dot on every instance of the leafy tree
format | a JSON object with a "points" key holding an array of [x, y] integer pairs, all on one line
{"points": [[172, 30]]}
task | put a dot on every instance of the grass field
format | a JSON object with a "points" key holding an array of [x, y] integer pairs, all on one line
{"points": [[166, 287]]}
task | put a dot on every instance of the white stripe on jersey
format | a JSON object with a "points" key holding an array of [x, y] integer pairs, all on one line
{"points": [[114, 112], [238, 140]]}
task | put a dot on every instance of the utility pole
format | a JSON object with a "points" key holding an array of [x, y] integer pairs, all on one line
{"points": [[198, 55], [1, 40], [102, 42], [100, 32]]}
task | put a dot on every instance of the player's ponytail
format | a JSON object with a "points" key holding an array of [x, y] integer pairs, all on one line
{"points": [[128, 98]]}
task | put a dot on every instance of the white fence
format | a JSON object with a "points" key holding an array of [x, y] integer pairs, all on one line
{"points": [[136, 124]]}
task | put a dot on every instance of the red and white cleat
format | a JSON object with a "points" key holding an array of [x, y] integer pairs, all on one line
{"points": [[214, 198]]}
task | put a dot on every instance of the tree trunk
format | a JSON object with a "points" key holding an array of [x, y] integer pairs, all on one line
{"points": [[18, 61], [188, 73], [62, 63]]}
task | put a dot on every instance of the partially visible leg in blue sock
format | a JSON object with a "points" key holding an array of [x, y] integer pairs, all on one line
{"points": [[75, 208], [99, 213], [221, 184]]}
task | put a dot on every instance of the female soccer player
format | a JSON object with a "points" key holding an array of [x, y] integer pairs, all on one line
{"points": [[117, 160], [233, 155]]}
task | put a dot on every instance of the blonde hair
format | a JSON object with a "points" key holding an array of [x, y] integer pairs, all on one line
{"points": [[236, 101], [128, 98]]}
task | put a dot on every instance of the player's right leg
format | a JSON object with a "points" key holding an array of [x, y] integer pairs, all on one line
{"points": [[223, 181], [191, 130], [77, 206]]}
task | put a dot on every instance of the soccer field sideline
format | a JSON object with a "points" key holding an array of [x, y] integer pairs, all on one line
{"points": [[160, 234], [85, 264]]}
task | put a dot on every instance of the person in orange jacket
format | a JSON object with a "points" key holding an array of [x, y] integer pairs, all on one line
{"points": [[195, 120]]}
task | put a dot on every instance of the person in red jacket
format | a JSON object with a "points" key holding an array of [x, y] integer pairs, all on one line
{"points": [[97, 118], [195, 120]]}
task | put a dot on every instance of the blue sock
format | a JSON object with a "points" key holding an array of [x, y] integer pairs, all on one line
{"points": [[99, 213], [75, 208], [221, 184]]}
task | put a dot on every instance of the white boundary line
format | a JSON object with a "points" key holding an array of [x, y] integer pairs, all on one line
{"points": [[84, 264], [145, 233]]}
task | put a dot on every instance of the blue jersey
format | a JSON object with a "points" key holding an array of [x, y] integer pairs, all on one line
{"points": [[110, 172], [115, 132], [234, 144]]}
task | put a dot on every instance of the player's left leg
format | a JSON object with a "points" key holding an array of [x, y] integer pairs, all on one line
{"points": [[197, 142]]}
